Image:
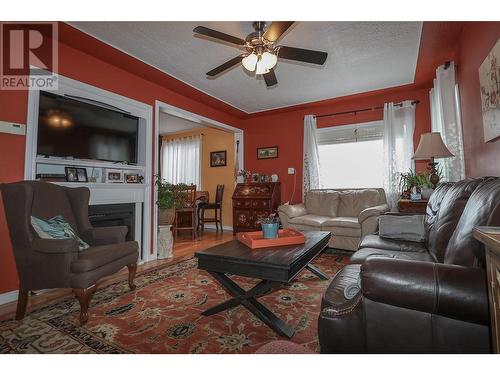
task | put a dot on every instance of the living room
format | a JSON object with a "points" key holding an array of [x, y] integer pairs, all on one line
{"points": [[324, 186]]}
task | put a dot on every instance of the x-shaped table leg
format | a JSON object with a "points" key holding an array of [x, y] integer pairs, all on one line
{"points": [[248, 300]]}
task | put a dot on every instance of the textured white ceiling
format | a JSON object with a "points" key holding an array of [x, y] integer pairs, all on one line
{"points": [[173, 124], [362, 56]]}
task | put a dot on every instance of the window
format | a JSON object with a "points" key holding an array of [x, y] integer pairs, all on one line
{"points": [[181, 160], [351, 156]]}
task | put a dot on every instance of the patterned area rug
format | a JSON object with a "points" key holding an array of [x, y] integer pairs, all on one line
{"points": [[163, 316]]}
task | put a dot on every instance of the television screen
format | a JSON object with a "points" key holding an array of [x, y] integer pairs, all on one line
{"points": [[72, 128]]}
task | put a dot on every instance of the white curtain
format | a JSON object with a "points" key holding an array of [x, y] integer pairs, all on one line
{"points": [[181, 160], [445, 118], [399, 125], [310, 162]]}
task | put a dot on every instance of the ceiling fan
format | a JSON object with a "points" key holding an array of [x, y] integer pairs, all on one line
{"points": [[261, 50]]}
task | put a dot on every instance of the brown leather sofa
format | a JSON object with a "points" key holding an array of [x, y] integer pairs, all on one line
{"points": [[57, 263], [418, 298]]}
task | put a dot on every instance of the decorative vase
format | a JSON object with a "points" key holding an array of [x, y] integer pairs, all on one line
{"points": [[240, 179], [165, 241], [426, 192], [166, 216], [270, 231]]}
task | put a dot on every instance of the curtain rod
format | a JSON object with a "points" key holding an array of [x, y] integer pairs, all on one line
{"points": [[363, 109]]}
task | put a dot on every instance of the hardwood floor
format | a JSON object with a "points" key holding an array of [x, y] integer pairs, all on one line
{"points": [[184, 248]]}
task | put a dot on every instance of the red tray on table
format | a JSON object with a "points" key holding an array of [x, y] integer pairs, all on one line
{"points": [[256, 240]]}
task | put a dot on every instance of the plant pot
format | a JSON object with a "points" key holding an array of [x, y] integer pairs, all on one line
{"points": [[166, 216], [270, 231]]}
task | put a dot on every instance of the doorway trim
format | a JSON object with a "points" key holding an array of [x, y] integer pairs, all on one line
{"points": [[194, 117]]}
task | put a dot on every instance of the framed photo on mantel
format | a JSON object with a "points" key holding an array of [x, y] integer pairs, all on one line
{"points": [[267, 152]]}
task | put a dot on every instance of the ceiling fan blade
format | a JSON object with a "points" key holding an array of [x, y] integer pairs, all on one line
{"points": [[276, 30], [225, 66], [305, 55], [270, 78], [218, 35]]}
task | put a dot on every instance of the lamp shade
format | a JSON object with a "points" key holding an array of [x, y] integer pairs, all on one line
{"points": [[431, 145]]}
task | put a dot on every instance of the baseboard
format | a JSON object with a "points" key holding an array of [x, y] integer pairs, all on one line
{"points": [[212, 226], [8, 297]]}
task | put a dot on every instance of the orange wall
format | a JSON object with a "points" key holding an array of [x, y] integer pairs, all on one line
{"points": [[285, 130], [215, 140], [478, 38], [95, 71]]}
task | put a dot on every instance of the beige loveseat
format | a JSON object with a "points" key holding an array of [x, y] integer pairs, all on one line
{"points": [[349, 214]]}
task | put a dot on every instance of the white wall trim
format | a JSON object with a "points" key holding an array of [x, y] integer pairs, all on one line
{"points": [[191, 116], [8, 297], [212, 226]]}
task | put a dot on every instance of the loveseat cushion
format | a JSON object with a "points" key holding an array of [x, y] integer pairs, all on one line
{"points": [[342, 231], [377, 242], [343, 221], [361, 255], [310, 220], [352, 202], [323, 203], [98, 256]]}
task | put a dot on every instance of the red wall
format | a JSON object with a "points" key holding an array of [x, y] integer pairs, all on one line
{"points": [[95, 71], [285, 130], [478, 38]]}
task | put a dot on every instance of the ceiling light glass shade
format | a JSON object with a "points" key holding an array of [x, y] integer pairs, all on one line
{"points": [[269, 59], [261, 68], [249, 62]]}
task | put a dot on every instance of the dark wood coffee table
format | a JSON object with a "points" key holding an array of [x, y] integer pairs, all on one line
{"points": [[275, 266]]}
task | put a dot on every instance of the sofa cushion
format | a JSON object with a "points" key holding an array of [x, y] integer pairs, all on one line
{"points": [[361, 255], [342, 231], [377, 242], [352, 202], [343, 221], [98, 256], [323, 203], [310, 220]]}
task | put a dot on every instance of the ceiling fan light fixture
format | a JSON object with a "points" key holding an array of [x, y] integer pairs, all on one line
{"points": [[269, 59], [249, 62], [261, 67]]}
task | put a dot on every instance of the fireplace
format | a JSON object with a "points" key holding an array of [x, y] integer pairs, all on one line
{"points": [[109, 215]]}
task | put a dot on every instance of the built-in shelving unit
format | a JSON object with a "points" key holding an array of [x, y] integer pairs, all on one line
{"points": [[102, 192]]}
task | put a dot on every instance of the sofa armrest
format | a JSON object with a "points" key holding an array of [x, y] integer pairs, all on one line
{"points": [[55, 246], [453, 291], [372, 211], [106, 235], [292, 210]]}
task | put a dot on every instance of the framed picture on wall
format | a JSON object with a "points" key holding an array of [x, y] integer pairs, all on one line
{"points": [[267, 152], [218, 158]]}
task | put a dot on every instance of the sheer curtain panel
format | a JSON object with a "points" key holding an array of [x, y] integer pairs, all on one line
{"points": [[399, 125], [310, 162], [181, 160], [445, 118]]}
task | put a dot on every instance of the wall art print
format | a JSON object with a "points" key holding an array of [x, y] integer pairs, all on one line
{"points": [[489, 81]]}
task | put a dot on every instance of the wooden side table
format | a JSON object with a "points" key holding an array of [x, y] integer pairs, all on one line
{"points": [[490, 236], [412, 207]]}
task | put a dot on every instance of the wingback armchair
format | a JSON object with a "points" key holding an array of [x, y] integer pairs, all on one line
{"points": [[58, 263]]}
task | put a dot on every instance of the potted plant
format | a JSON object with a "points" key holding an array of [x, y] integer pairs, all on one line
{"points": [[243, 176], [412, 182], [270, 226], [169, 198]]}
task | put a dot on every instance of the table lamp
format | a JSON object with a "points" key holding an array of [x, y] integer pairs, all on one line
{"points": [[431, 146]]}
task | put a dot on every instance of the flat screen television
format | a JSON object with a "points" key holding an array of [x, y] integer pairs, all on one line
{"points": [[73, 128]]}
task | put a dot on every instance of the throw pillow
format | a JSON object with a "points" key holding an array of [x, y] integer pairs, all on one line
{"points": [[406, 228], [56, 228]]}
